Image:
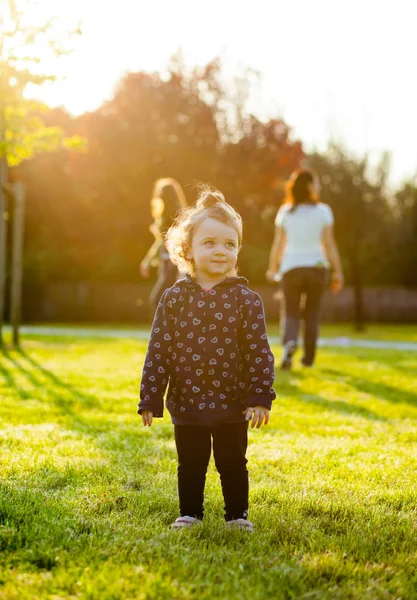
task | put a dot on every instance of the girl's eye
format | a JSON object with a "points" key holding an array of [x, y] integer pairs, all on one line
{"points": [[230, 244], [208, 242]]}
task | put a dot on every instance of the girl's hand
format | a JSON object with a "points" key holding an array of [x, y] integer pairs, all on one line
{"points": [[259, 416], [147, 416], [337, 283], [144, 269]]}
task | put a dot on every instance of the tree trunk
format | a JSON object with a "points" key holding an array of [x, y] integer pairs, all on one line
{"points": [[3, 241], [359, 316], [17, 256]]}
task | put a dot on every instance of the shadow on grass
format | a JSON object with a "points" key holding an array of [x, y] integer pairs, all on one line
{"points": [[67, 398], [71, 402], [376, 388], [286, 386], [405, 362], [8, 378], [61, 393]]}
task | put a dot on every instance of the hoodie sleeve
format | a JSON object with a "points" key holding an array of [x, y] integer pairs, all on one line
{"points": [[258, 358], [157, 366]]}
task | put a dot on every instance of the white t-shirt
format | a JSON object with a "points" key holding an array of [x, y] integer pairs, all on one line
{"points": [[304, 228]]}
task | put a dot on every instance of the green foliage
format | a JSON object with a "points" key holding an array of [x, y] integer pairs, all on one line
{"points": [[363, 215], [153, 127], [406, 239], [23, 134], [364, 225], [87, 494]]}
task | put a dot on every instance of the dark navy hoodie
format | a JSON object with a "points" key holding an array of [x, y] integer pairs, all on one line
{"points": [[212, 348]]}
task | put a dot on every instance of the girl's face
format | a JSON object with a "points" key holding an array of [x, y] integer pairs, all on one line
{"points": [[214, 249]]}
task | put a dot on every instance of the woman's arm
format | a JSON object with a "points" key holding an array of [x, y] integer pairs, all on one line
{"points": [[332, 254], [277, 251], [150, 255]]}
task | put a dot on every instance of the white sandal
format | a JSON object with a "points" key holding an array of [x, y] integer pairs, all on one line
{"points": [[183, 522], [240, 524]]}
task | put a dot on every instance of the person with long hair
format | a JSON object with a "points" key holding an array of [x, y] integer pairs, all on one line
{"points": [[302, 251], [167, 200]]}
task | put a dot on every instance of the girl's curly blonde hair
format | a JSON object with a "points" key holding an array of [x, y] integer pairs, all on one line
{"points": [[210, 204]]}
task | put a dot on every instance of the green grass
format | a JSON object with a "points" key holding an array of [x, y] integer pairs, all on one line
{"points": [[373, 331], [87, 494]]}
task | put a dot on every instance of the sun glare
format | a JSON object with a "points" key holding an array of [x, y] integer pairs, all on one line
{"points": [[44, 53], [315, 73]]}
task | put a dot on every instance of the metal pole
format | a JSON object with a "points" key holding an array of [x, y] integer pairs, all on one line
{"points": [[17, 259]]}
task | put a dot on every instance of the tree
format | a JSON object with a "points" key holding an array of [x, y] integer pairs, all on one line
{"points": [[363, 217], [406, 240], [252, 176], [22, 132], [88, 215]]}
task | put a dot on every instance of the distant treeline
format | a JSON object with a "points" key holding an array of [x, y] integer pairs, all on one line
{"points": [[88, 213]]}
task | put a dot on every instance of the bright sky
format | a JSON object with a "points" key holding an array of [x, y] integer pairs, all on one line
{"points": [[329, 67]]}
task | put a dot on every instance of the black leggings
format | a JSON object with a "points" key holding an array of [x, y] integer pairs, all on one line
{"points": [[310, 282], [193, 443]]}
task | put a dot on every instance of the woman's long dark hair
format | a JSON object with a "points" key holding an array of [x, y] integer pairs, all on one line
{"points": [[298, 190]]}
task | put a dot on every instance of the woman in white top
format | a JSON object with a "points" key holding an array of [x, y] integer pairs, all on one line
{"points": [[303, 249]]}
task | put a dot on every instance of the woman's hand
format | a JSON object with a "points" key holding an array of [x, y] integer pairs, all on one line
{"points": [[147, 417], [144, 269], [276, 253], [270, 275], [258, 414], [337, 283]]}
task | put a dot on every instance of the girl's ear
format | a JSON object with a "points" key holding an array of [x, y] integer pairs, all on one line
{"points": [[187, 252]]}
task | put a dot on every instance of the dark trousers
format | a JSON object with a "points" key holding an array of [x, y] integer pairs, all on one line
{"points": [[310, 283], [230, 442]]}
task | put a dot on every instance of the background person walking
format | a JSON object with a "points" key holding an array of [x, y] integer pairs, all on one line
{"points": [[167, 199], [302, 250]]}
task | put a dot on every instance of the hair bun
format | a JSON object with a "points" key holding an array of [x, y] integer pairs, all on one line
{"points": [[209, 198]]}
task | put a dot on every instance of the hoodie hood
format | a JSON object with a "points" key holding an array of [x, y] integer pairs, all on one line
{"points": [[188, 281]]}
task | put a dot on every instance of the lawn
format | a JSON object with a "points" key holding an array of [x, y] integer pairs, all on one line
{"points": [[87, 494], [372, 331]]}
